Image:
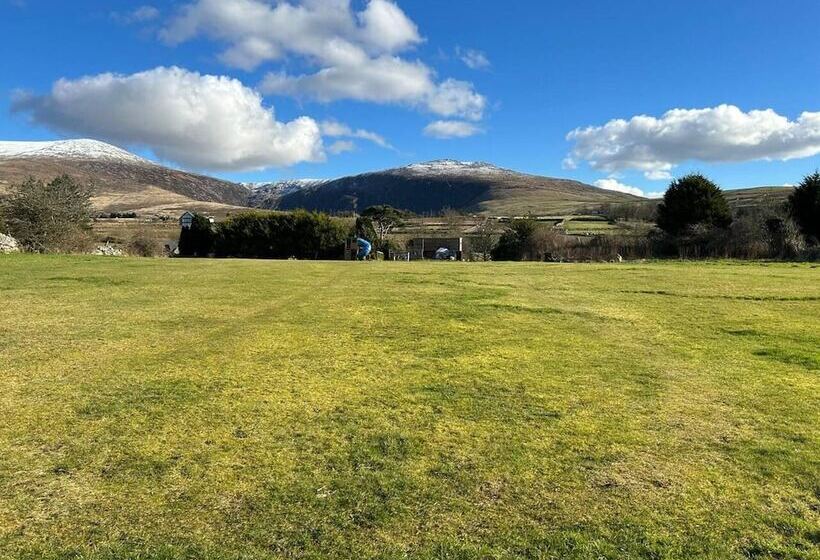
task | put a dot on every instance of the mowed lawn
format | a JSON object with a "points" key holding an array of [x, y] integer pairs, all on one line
{"points": [[169, 409]]}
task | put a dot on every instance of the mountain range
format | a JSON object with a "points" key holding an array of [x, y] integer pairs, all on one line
{"points": [[126, 182]]}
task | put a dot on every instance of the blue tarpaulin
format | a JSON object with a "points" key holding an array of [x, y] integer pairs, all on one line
{"points": [[365, 248]]}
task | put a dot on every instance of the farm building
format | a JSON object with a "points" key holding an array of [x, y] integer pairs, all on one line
{"points": [[187, 220], [431, 248]]}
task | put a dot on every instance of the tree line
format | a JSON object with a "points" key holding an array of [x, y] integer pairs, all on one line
{"points": [[693, 220]]}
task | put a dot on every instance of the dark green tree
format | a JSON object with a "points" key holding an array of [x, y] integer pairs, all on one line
{"points": [[804, 207], [198, 240], [691, 201], [516, 241], [384, 220], [280, 235], [364, 229], [49, 216]]}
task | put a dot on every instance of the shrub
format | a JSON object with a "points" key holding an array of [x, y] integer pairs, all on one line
{"points": [[692, 203], [514, 242], [272, 235], [53, 216], [144, 244], [527, 240], [804, 207], [785, 241]]}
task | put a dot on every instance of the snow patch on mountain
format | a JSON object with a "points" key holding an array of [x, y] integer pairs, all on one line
{"points": [[453, 167], [267, 194], [69, 149]]}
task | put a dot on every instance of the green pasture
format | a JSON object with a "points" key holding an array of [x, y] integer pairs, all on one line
{"points": [[240, 410]]}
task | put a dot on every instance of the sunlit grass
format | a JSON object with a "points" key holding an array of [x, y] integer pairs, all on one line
{"points": [[242, 410]]}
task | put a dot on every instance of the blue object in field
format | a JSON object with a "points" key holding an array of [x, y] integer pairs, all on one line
{"points": [[365, 248]]}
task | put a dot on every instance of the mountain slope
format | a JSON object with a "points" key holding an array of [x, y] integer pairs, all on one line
{"points": [[758, 196], [122, 181], [438, 185]]}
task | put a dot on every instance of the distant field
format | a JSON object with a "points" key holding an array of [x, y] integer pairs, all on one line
{"points": [[171, 409]]}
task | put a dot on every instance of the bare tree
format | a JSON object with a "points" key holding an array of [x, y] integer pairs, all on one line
{"points": [[453, 222], [485, 237]]}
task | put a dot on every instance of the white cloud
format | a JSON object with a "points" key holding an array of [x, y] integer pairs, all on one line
{"points": [[386, 26], [352, 55], [658, 194], [451, 129], [384, 80], [658, 175], [612, 184], [142, 14], [719, 134], [474, 59], [569, 163], [335, 129], [453, 98], [342, 146], [315, 28], [199, 121]]}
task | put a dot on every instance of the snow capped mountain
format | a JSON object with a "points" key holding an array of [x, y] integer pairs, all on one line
{"points": [[453, 167], [69, 149], [122, 181], [267, 194], [434, 186]]}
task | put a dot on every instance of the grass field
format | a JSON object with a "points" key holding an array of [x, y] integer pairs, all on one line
{"points": [[169, 409]]}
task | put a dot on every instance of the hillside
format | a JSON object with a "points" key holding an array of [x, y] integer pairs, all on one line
{"points": [[435, 186], [758, 196], [123, 181]]}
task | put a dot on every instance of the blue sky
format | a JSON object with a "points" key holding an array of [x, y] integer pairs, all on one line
{"points": [[348, 87]]}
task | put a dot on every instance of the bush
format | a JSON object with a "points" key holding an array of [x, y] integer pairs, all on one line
{"points": [[691, 204], [804, 207], [272, 235], [46, 217], [785, 241], [116, 215], [514, 243], [144, 244]]}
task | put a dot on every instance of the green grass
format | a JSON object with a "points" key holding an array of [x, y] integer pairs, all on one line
{"points": [[159, 409]]}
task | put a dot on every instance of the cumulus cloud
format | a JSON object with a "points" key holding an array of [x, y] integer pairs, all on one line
{"points": [[386, 26], [387, 80], [336, 129], [351, 55], [473, 58], [720, 134], [199, 121], [446, 130], [612, 184], [318, 28]]}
